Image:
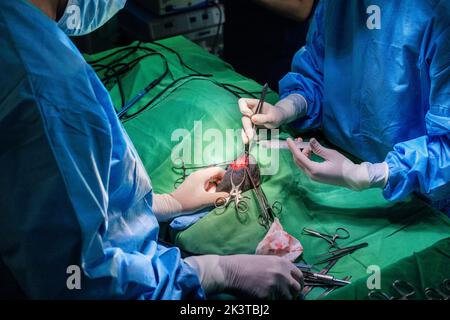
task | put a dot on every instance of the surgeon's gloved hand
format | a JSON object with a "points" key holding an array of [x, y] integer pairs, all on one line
{"points": [[339, 170], [199, 189], [253, 276], [287, 110]]}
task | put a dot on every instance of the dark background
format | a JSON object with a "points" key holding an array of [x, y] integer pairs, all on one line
{"points": [[256, 41]]}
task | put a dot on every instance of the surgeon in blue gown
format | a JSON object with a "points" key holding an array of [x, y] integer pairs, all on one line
{"points": [[75, 198], [374, 76]]}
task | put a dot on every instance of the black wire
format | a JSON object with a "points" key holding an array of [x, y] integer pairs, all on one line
{"points": [[161, 93], [189, 78], [129, 65], [133, 49], [119, 83], [178, 56], [147, 89], [242, 90], [115, 69]]}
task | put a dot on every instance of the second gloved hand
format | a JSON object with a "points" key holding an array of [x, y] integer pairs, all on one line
{"points": [[287, 110], [198, 191], [338, 169], [252, 276]]}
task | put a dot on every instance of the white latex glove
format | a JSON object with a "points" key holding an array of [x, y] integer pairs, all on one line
{"points": [[287, 110], [253, 276], [339, 170], [198, 191]]}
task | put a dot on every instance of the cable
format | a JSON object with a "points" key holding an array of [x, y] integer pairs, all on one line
{"points": [[116, 69], [174, 83], [119, 84], [178, 56], [141, 94], [188, 79]]}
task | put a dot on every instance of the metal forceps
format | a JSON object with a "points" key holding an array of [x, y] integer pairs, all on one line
{"points": [[268, 212], [257, 111], [182, 169], [403, 289], [340, 233], [442, 293], [235, 195]]}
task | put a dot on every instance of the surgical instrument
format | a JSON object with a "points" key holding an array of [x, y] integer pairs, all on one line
{"points": [[257, 111], [403, 289], [268, 211], [280, 144], [337, 254], [307, 289], [262, 99], [323, 280], [184, 168], [234, 195], [319, 279], [303, 266], [331, 289], [340, 233], [441, 293]]}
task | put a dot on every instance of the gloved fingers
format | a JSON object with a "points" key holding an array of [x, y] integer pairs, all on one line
{"points": [[300, 159], [307, 152], [297, 275], [295, 289], [244, 137], [248, 131], [321, 151], [247, 106], [211, 198], [211, 184], [218, 174], [262, 119], [207, 178], [284, 293], [210, 173]]}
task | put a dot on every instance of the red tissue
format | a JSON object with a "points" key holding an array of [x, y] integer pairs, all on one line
{"points": [[280, 243]]}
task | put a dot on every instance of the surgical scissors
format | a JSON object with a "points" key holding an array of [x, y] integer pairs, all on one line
{"points": [[235, 195], [340, 233], [442, 293], [403, 289]]}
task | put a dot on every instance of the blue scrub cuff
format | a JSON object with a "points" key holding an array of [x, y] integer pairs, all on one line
{"points": [[183, 222]]}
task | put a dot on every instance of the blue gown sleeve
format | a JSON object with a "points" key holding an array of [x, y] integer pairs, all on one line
{"points": [[306, 77], [74, 193], [422, 165]]}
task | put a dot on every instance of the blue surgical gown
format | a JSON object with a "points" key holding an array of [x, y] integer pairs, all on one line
{"points": [[73, 189], [382, 94]]}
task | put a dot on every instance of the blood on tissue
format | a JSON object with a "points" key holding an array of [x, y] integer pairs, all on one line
{"points": [[240, 163]]}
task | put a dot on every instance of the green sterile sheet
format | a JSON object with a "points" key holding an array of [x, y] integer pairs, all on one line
{"points": [[204, 110], [425, 269]]}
